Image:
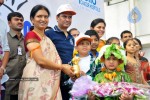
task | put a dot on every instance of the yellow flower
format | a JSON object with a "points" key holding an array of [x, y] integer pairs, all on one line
{"points": [[118, 69], [114, 74], [103, 69]]}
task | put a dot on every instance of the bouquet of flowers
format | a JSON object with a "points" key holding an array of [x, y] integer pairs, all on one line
{"points": [[83, 84]]}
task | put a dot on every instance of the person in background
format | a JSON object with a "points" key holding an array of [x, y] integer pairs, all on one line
{"points": [[44, 64], [74, 32], [125, 35], [63, 41], [133, 66], [99, 26], [4, 51], [94, 43], [144, 61], [113, 40], [17, 57]]}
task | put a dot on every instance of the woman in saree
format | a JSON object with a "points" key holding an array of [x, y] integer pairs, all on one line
{"points": [[41, 75]]}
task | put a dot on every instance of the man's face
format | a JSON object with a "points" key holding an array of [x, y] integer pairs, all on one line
{"points": [[64, 20], [1, 2], [126, 36], [16, 23]]}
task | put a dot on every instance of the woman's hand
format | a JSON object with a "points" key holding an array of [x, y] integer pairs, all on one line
{"points": [[1, 72], [67, 69]]}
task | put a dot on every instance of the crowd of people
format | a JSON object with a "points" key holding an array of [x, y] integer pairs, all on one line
{"points": [[39, 65]]}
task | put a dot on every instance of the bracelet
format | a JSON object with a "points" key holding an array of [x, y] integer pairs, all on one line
{"points": [[4, 70]]}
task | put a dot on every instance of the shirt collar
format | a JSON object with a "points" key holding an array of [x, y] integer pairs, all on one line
{"points": [[13, 34], [57, 29], [90, 53]]}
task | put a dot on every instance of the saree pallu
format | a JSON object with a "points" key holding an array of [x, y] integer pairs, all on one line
{"points": [[38, 83]]}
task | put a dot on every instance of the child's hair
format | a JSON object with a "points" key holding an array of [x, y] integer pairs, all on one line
{"points": [[139, 42], [125, 43], [109, 41], [91, 33]]}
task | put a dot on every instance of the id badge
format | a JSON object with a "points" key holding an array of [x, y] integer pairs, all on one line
{"points": [[19, 50]]}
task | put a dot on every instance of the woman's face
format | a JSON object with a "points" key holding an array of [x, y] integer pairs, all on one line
{"points": [[100, 29], [40, 19], [111, 63], [137, 45]]}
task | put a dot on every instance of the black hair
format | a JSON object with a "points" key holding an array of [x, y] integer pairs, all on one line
{"points": [[31, 28], [36, 8], [139, 42], [125, 31], [92, 32], [14, 14], [109, 41], [72, 29], [96, 21], [125, 43]]}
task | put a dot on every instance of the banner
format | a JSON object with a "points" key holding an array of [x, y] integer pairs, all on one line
{"points": [[87, 10]]}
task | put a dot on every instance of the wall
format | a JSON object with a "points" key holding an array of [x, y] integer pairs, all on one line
{"points": [[87, 10], [116, 17]]}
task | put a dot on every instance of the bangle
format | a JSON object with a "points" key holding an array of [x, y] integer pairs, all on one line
{"points": [[4, 70]]}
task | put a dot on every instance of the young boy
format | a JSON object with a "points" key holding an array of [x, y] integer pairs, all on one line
{"points": [[87, 63], [94, 43], [112, 57]]}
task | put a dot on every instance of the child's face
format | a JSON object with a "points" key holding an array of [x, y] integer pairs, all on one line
{"points": [[138, 47], [115, 41], [130, 47], [83, 47], [94, 43], [111, 63]]}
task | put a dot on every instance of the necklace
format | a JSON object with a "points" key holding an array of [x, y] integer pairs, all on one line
{"points": [[110, 75]]}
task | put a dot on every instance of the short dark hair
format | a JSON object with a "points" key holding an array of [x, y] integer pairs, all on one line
{"points": [[91, 33], [14, 14], [109, 40], [72, 29], [125, 31], [97, 21], [36, 8]]}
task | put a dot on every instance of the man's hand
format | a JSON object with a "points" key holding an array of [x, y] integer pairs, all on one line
{"points": [[1, 73]]}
